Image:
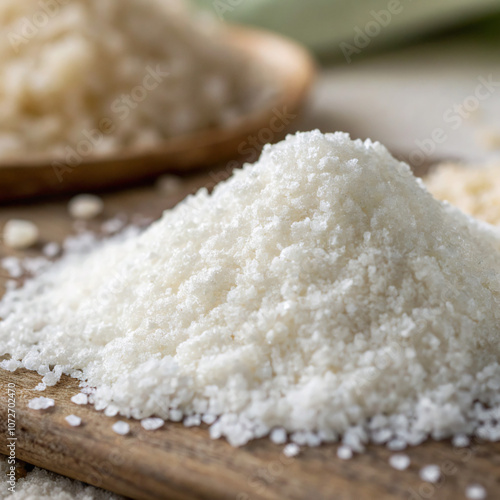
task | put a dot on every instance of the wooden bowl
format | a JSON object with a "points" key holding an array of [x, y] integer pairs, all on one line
{"points": [[291, 69]]}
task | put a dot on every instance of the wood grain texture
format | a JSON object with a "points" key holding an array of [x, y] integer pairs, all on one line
{"points": [[184, 463], [290, 69]]}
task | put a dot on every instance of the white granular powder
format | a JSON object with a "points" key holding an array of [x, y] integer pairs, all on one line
{"points": [[73, 420], [121, 428], [40, 484], [41, 403], [399, 461], [475, 492], [430, 473], [151, 424], [322, 290]]}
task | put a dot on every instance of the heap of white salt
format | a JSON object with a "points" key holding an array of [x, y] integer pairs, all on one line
{"points": [[323, 291]]}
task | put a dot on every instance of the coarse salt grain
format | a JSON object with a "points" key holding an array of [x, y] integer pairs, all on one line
{"points": [[399, 461], [41, 387], [85, 206], [291, 450], [430, 473], [52, 249], [344, 453], [325, 253], [475, 492], [460, 441], [20, 234], [73, 420], [151, 424], [278, 436], [41, 403], [80, 399], [121, 428]]}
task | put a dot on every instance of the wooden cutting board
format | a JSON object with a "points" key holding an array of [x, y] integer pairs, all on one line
{"points": [[176, 462]]}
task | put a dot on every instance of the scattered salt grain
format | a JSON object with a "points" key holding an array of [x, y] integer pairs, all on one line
{"points": [[344, 453], [85, 206], [460, 441], [151, 424], [111, 411], [399, 461], [80, 399], [20, 234], [430, 473], [291, 450], [112, 226], [121, 428], [51, 250], [13, 266], [176, 415], [278, 436], [192, 421], [475, 492], [73, 420], [397, 445], [11, 365], [40, 387], [41, 403]]}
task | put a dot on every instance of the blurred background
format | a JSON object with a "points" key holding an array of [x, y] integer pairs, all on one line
{"points": [[396, 70]]}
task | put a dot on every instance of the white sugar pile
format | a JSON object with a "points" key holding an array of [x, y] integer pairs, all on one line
{"points": [[323, 291]]}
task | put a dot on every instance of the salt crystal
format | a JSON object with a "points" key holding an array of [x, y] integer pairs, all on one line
{"points": [[151, 424], [460, 441], [344, 453], [41, 403], [430, 473], [80, 399], [51, 250], [475, 492], [192, 420], [397, 445], [278, 436], [20, 234], [73, 420], [85, 206], [40, 387], [399, 461], [291, 450], [121, 428]]}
